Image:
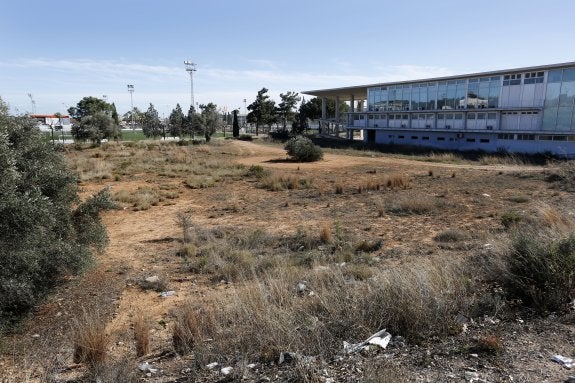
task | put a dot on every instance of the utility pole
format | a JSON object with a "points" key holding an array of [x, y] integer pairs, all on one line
{"points": [[131, 90]]}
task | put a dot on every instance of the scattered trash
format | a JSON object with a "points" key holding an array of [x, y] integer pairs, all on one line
{"points": [[301, 287], [147, 367], [486, 195], [165, 294], [398, 341], [152, 279], [471, 376], [226, 370], [380, 338], [379, 341], [562, 360], [36, 336], [252, 365], [212, 365]]}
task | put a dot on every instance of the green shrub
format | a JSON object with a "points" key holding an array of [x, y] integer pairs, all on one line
{"points": [[302, 149], [44, 233], [541, 271], [257, 171], [450, 235], [511, 218]]}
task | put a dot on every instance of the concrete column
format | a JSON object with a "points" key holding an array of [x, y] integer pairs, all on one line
{"points": [[352, 109], [323, 108], [337, 116]]}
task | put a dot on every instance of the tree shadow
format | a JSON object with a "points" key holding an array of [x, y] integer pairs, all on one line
{"points": [[280, 161]]}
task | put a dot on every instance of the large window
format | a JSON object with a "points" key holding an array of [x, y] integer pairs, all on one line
{"points": [[559, 100]]}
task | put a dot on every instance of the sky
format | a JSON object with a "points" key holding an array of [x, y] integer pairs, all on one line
{"points": [[60, 51]]}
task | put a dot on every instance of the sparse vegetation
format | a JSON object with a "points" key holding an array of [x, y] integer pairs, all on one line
{"points": [[257, 273]]}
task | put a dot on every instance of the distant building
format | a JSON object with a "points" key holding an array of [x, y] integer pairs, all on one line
{"points": [[527, 110], [48, 121]]}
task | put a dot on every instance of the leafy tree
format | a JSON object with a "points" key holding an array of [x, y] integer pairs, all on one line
{"points": [[286, 107], [151, 124], [88, 106], [210, 119], [176, 122], [262, 110], [192, 123], [127, 117], [312, 108], [95, 120], [236, 125], [95, 128], [45, 233], [115, 116]]}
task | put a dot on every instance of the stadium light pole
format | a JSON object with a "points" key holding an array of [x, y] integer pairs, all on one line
{"points": [[131, 90], [191, 68]]}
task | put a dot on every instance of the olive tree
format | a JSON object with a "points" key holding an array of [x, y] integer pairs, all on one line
{"points": [[46, 232]]}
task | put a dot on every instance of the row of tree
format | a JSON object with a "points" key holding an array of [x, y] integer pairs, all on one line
{"points": [[95, 119], [265, 113]]}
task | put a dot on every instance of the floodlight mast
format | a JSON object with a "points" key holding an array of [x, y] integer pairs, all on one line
{"points": [[131, 90], [191, 68]]}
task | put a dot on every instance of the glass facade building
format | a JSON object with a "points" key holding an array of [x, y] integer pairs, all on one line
{"points": [[523, 109]]}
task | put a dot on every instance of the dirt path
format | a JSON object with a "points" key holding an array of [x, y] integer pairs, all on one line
{"points": [[275, 156]]}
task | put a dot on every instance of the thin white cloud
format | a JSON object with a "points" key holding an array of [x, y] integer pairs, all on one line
{"points": [[58, 81]]}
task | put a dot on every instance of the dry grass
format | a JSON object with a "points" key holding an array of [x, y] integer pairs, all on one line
{"points": [[507, 159], [142, 335], [338, 188], [192, 326], [96, 168], [89, 339], [274, 182], [325, 233], [411, 204], [258, 319], [141, 199], [397, 181]]}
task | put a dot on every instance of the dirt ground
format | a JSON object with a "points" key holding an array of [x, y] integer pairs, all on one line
{"points": [[468, 197]]}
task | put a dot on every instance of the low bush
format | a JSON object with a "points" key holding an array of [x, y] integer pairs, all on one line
{"points": [[302, 149], [541, 270], [510, 219], [407, 205], [450, 235]]}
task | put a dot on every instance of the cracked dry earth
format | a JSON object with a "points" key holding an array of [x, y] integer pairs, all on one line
{"points": [[143, 243]]}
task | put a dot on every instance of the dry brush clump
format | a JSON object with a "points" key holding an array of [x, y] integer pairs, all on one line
{"points": [[142, 335], [535, 263], [193, 325], [90, 340], [312, 311], [275, 182], [411, 204]]}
